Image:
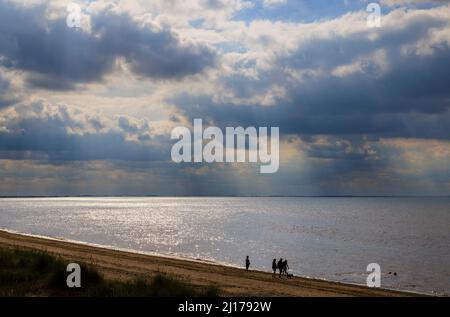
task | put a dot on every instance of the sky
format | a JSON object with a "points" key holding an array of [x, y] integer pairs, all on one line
{"points": [[89, 110]]}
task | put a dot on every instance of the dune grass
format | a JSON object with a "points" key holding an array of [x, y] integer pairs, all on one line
{"points": [[36, 273]]}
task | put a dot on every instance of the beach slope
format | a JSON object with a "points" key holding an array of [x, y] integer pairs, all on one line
{"points": [[231, 281]]}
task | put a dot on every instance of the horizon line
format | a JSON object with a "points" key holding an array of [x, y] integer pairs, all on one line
{"points": [[236, 196]]}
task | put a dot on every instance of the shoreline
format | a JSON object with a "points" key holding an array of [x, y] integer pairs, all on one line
{"points": [[232, 281], [113, 248]]}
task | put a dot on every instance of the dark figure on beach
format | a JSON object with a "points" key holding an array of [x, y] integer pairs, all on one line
{"points": [[247, 263], [280, 266], [285, 267], [274, 266]]}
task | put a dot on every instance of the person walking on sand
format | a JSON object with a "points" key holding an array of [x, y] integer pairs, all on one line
{"points": [[274, 267], [285, 267], [247, 263], [280, 266]]}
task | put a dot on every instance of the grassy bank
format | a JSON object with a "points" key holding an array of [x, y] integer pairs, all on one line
{"points": [[36, 273]]}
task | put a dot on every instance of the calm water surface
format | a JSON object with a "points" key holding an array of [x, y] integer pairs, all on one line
{"points": [[330, 238]]}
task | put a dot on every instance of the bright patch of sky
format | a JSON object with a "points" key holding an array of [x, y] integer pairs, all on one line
{"points": [[304, 11]]}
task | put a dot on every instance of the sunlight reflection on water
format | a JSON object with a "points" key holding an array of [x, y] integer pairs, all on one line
{"points": [[332, 238]]}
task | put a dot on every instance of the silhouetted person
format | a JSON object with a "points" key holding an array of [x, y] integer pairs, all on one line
{"points": [[285, 267], [274, 266], [247, 263], [280, 265]]}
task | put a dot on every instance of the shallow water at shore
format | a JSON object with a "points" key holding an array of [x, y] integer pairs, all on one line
{"points": [[330, 238]]}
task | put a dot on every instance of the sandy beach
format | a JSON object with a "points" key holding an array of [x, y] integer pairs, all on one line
{"points": [[231, 281]]}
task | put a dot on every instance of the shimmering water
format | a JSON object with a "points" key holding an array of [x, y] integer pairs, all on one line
{"points": [[330, 238]]}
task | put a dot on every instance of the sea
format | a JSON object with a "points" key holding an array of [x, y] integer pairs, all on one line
{"points": [[330, 238]]}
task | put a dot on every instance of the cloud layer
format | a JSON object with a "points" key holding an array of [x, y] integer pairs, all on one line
{"points": [[55, 56], [357, 107]]}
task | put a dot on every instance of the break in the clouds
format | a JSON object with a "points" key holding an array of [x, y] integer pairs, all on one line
{"points": [[361, 110]]}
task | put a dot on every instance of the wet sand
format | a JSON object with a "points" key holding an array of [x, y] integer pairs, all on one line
{"points": [[230, 281]]}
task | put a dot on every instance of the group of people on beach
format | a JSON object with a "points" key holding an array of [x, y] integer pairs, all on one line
{"points": [[282, 267]]}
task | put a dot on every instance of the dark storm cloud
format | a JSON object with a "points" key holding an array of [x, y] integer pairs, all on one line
{"points": [[397, 93], [413, 83], [155, 54], [53, 55], [291, 120], [326, 53], [58, 57], [336, 121], [140, 128], [6, 98], [45, 135], [337, 148]]}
